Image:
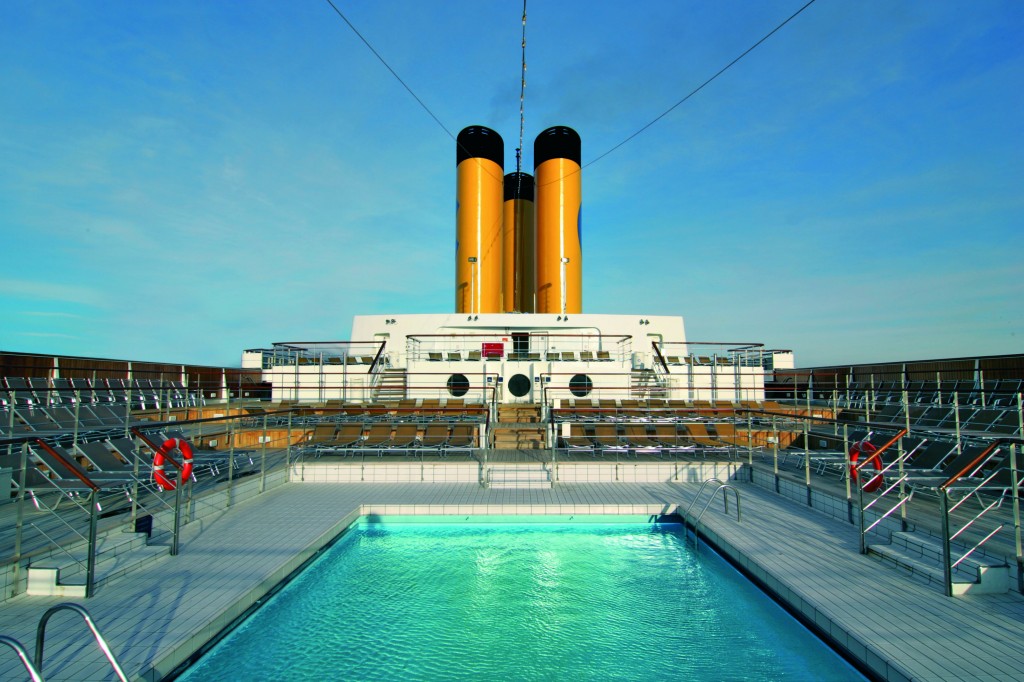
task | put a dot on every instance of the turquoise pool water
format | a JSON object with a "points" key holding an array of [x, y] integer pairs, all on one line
{"points": [[519, 602]]}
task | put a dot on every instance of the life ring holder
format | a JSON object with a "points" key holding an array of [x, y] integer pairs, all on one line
{"points": [[868, 449], [161, 456]]}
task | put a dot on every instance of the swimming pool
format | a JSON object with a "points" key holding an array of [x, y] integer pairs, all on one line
{"points": [[519, 601]]}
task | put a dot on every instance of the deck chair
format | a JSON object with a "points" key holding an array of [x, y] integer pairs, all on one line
{"points": [[378, 437], [35, 419], [435, 436], [606, 439], [463, 437], [586, 356], [636, 436], [405, 436]]}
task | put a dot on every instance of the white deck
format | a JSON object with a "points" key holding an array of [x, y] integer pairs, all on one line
{"points": [[154, 618]]}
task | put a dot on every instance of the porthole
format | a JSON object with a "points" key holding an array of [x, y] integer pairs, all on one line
{"points": [[458, 385], [519, 385], [581, 385]]}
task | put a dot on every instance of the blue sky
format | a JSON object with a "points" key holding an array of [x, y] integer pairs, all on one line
{"points": [[180, 181]]}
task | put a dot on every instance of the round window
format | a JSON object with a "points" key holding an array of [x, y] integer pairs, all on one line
{"points": [[581, 385], [519, 385], [458, 385]]}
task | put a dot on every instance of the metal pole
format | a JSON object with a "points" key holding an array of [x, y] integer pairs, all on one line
{"points": [[775, 453], [177, 514], [849, 472], [750, 446], [807, 464], [20, 518], [956, 413], [231, 460], [1015, 481], [947, 572], [288, 451], [860, 517], [263, 458], [90, 565]]}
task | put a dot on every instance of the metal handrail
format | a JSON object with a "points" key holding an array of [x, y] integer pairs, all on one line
{"points": [[100, 641], [23, 655], [725, 499], [700, 492]]}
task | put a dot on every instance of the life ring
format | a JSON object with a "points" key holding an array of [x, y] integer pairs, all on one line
{"points": [[159, 476], [868, 450]]}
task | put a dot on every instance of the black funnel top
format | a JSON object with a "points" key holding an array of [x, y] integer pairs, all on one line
{"points": [[478, 141], [558, 142], [519, 186]]}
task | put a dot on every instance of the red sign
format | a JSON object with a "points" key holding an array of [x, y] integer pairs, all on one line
{"points": [[493, 350]]}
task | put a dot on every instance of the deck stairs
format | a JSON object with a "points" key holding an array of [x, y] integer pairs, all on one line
{"points": [[519, 427], [63, 573], [392, 385], [645, 383], [920, 555]]}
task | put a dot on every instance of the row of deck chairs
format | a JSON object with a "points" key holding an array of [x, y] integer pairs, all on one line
{"points": [[347, 438], [412, 409], [110, 464], [994, 420], [550, 356], [91, 419], [654, 410], [997, 393], [656, 439], [930, 462], [144, 394]]}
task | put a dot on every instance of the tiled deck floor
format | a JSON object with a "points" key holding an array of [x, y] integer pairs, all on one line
{"points": [[153, 616]]}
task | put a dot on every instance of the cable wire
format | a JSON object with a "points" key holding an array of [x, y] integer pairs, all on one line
{"points": [[522, 99], [701, 86], [388, 66]]}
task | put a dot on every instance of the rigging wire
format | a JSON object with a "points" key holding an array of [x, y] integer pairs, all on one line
{"points": [[522, 98], [701, 86], [388, 66]]}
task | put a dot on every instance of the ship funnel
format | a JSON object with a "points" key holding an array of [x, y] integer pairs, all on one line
{"points": [[520, 242], [479, 157], [559, 253]]}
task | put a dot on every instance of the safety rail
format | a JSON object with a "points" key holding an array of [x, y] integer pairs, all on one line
{"points": [[872, 457], [100, 640], [949, 564]]}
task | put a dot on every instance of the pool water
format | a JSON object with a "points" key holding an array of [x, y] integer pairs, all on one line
{"points": [[519, 602]]}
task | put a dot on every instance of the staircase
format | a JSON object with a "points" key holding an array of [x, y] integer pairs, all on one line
{"points": [[392, 385], [519, 428], [920, 555], [644, 383], [117, 552]]}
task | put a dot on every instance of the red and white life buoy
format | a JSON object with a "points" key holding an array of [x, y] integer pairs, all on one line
{"points": [[160, 457], [868, 450]]}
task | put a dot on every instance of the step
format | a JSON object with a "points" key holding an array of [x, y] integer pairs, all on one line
{"points": [[66, 578], [519, 477], [921, 556]]}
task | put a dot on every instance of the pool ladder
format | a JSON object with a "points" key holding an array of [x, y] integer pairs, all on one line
{"points": [[35, 667], [721, 485]]}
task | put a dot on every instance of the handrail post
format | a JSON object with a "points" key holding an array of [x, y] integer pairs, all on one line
{"points": [[177, 514], [288, 451], [947, 571], [263, 457], [775, 452], [1015, 482], [860, 516], [849, 474], [90, 567]]}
